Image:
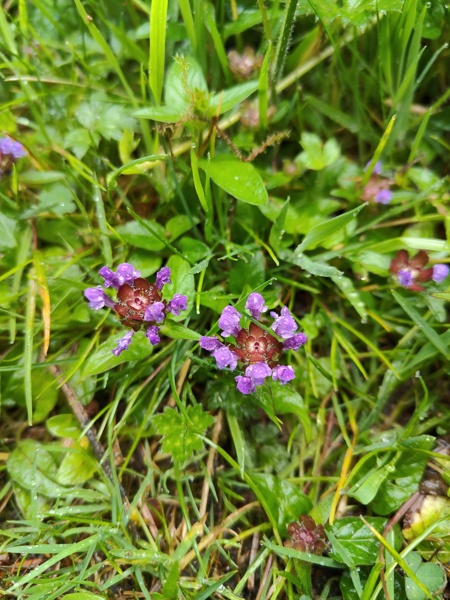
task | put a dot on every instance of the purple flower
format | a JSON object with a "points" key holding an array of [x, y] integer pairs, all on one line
{"points": [[244, 384], [11, 148], [126, 273], [283, 374], [123, 343], [405, 277], [383, 197], [209, 343], [97, 298], [155, 312], [377, 168], [440, 272], [178, 303], [295, 342], [284, 325], [258, 372], [255, 304], [225, 358], [109, 277], [229, 322], [162, 277], [152, 334]]}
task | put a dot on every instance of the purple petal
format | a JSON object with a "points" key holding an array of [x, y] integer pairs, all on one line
{"points": [[377, 168], [255, 304], [405, 278], [126, 273], [244, 384], [97, 298], [109, 277], [153, 335], [209, 343], [177, 304], [383, 197], [155, 312], [225, 358], [283, 374], [12, 148], [284, 325], [440, 272], [162, 277], [258, 372], [123, 343], [295, 342], [229, 321]]}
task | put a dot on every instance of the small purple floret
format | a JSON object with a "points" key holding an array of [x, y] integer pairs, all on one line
{"points": [[377, 168], [383, 197], [126, 273], [209, 343], [123, 343], [97, 298], [225, 358], [258, 372], [162, 277], [255, 304], [177, 304], [152, 334], [283, 374], [12, 148], [284, 325], [109, 277], [405, 278], [295, 342], [155, 312], [440, 272], [229, 322], [244, 384]]}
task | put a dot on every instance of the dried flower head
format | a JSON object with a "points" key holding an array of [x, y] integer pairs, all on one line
{"points": [[139, 303], [243, 65], [306, 536], [255, 349], [411, 272]]}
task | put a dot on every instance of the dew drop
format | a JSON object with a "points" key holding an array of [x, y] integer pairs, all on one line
{"points": [[417, 374]]}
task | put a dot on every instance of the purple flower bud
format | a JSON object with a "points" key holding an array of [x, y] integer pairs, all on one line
{"points": [[177, 304], [12, 148], [377, 168], [383, 197], [225, 358], [284, 325], [258, 372], [155, 312], [153, 335], [109, 277], [229, 321], [283, 374], [162, 277], [295, 342], [123, 343], [210, 343], [126, 273], [97, 298], [405, 278], [440, 272], [255, 304], [244, 384]]}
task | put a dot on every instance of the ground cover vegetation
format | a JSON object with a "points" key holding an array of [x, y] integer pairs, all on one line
{"points": [[224, 238]]}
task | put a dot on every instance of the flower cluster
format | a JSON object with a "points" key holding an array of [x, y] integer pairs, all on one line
{"points": [[139, 303], [10, 151], [411, 272], [377, 188], [257, 350], [306, 536]]}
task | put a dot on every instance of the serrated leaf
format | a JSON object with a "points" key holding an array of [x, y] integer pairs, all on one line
{"points": [[239, 179], [181, 431]]}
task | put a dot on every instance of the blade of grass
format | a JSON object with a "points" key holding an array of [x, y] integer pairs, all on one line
{"points": [[28, 345], [158, 28]]}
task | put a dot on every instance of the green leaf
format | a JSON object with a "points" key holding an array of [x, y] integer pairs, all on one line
{"points": [[317, 155], [183, 282], [283, 500], [136, 234], [431, 575], [162, 114], [103, 359], [278, 228], [179, 332], [82, 596], [328, 227], [57, 199], [7, 229], [184, 83], [239, 179], [181, 432], [247, 274], [228, 99], [357, 540], [287, 400], [314, 267], [348, 289], [158, 22], [178, 225], [64, 426], [41, 177], [76, 467]]}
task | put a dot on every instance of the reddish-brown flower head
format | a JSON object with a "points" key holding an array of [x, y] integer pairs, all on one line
{"points": [[256, 345], [409, 271], [134, 299], [306, 536]]}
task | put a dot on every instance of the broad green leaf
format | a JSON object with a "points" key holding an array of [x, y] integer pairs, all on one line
{"points": [[41, 177], [178, 225], [181, 432], [433, 578], [284, 500], [184, 84], [247, 274], [45, 394], [183, 282], [345, 284], [103, 359], [7, 228], [318, 155], [64, 426], [76, 467], [287, 400], [162, 114], [239, 179], [329, 227], [314, 267], [136, 234], [179, 332], [228, 99]]}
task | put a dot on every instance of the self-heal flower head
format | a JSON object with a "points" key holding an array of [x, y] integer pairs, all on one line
{"points": [[377, 189], [256, 305], [440, 272], [229, 321], [411, 272], [256, 349], [139, 303]]}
